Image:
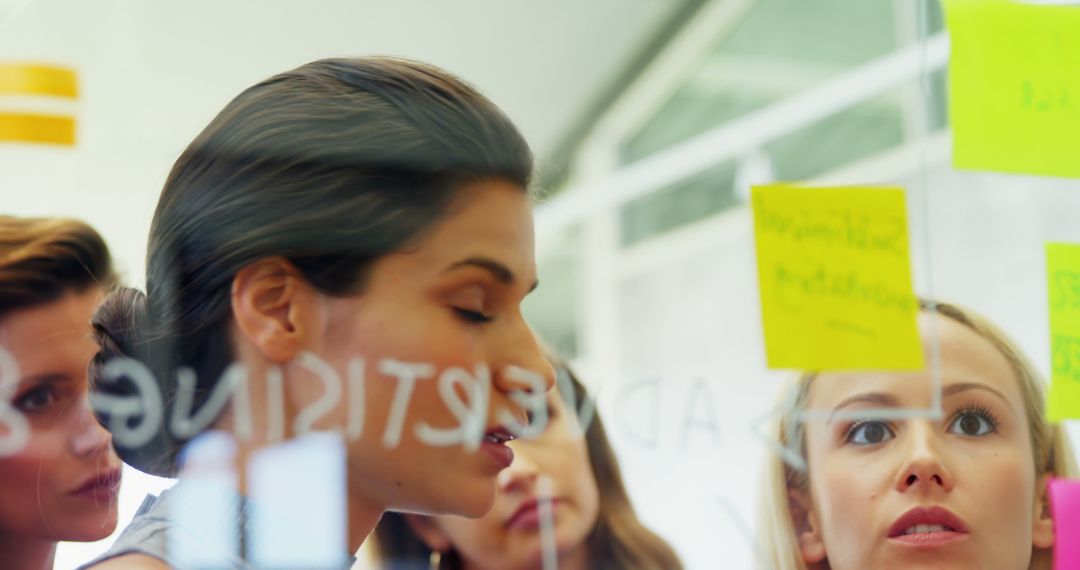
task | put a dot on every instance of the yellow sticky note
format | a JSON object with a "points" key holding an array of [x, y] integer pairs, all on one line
{"points": [[1063, 281], [37, 128], [835, 278], [1014, 86], [38, 79]]}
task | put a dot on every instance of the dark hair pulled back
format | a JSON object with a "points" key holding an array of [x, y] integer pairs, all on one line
{"points": [[330, 165]]}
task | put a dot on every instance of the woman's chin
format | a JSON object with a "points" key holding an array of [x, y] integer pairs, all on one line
{"points": [[89, 532]]}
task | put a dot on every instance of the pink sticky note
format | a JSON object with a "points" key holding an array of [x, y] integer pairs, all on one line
{"points": [[1065, 507]]}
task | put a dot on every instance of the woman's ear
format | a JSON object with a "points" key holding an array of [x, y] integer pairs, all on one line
{"points": [[807, 527], [429, 532], [271, 303], [1042, 535]]}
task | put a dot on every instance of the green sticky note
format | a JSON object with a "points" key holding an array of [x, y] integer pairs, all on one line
{"points": [[834, 278], [1014, 86], [1063, 280]]}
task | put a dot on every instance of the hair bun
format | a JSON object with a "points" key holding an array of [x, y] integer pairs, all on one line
{"points": [[118, 324], [121, 329]]}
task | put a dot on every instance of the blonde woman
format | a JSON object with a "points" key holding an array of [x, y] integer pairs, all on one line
{"points": [[963, 490]]}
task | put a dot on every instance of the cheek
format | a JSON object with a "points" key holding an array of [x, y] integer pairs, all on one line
{"points": [[573, 474], [848, 491], [28, 480], [994, 483], [36, 465]]}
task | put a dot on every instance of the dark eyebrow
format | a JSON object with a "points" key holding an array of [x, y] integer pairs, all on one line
{"points": [[953, 389], [501, 273], [46, 378], [880, 399]]}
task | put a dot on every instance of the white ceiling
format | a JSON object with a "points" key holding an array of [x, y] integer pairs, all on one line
{"points": [[542, 61], [153, 73]]}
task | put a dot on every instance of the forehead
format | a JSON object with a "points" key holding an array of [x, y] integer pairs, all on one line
{"points": [[490, 218], [965, 356], [50, 335]]}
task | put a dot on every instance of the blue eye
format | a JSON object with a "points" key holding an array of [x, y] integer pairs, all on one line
{"points": [[475, 317], [973, 422], [869, 432]]}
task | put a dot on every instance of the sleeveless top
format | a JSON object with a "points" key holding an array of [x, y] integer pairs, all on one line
{"points": [[148, 534]]}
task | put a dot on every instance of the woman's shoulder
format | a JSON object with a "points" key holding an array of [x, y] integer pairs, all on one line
{"points": [[130, 562]]}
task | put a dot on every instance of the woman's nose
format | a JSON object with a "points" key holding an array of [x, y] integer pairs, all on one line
{"points": [[522, 365], [923, 469], [521, 475], [88, 438]]}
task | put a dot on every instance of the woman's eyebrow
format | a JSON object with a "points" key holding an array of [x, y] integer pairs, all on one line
{"points": [[500, 271], [958, 387], [879, 399], [45, 378]]}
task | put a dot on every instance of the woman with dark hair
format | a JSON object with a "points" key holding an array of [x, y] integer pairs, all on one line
{"points": [[58, 475], [367, 218], [591, 521]]}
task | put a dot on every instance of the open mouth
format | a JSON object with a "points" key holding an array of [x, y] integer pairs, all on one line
{"points": [[928, 527], [494, 444], [498, 435]]}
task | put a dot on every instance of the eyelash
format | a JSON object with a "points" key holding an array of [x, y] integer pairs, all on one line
{"points": [[972, 409], [474, 317], [22, 402], [977, 410], [848, 433]]}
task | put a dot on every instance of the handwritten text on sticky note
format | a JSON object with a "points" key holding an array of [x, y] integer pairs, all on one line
{"points": [[835, 278], [1063, 281], [1014, 86]]}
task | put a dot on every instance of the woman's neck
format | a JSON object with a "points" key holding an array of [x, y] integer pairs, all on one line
{"points": [[362, 520], [21, 553], [361, 514], [575, 559]]}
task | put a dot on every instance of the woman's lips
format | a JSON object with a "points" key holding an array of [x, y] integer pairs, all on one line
{"points": [[927, 527], [494, 444], [528, 515], [102, 487]]}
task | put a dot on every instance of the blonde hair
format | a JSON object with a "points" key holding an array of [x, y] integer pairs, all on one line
{"points": [[1051, 451]]}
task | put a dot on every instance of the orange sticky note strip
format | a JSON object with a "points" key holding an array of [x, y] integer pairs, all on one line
{"points": [[37, 128], [37, 79]]}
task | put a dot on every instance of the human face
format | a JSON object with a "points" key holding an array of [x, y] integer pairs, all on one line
{"points": [[63, 483], [453, 300], [971, 471], [509, 536]]}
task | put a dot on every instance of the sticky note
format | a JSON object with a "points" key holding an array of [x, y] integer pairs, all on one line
{"points": [[1063, 284], [37, 79], [1065, 509], [1014, 86], [314, 463], [835, 278], [37, 128]]}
